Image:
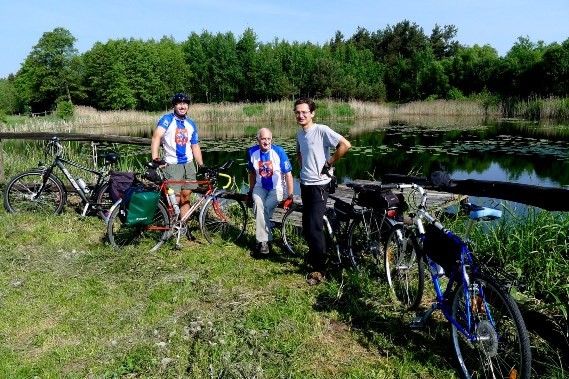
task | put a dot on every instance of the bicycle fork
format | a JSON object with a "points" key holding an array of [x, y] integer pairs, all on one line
{"points": [[330, 239]]}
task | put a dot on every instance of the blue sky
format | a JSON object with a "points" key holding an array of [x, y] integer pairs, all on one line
{"points": [[498, 23]]}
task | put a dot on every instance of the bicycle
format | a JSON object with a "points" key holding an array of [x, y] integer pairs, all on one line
{"points": [[39, 190], [488, 334], [354, 233], [222, 215]]}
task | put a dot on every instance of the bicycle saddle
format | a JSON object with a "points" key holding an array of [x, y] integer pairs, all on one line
{"points": [[110, 158]]}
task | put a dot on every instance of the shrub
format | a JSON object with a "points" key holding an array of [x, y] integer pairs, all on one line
{"points": [[65, 110]]}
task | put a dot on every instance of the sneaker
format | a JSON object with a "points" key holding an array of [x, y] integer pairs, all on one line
{"points": [[189, 235], [315, 278], [264, 248], [259, 251]]}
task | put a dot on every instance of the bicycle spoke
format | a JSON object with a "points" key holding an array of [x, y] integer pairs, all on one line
{"points": [[223, 220], [22, 194]]}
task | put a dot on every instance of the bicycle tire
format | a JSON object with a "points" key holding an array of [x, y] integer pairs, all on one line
{"points": [[291, 232], [223, 219], [502, 349], [20, 190], [404, 268], [103, 200], [365, 241], [151, 236]]}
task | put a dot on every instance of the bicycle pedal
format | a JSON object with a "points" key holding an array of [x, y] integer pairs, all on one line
{"points": [[417, 323]]}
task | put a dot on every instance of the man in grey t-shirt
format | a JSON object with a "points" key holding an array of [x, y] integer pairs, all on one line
{"points": [[313, 144]]}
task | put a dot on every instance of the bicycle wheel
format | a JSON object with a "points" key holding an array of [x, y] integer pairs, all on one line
{"points": [[500, 345], [223, 220], [21, 194], [365, 237], [149, 237], [291, 231], [404, 268], [103, 200]]}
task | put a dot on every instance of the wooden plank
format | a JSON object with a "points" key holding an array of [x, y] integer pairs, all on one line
{"points": [[76, 137], [436, 200]]}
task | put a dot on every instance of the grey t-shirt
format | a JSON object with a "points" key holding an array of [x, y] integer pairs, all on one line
{"points": [[314, 145]]}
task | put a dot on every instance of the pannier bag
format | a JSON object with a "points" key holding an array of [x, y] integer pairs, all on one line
{"points": [[118, 183], [377, 199], [139, 205], [342, 210], [442, 248]]}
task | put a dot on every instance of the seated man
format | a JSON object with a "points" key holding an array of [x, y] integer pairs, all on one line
{"points": [[268, 165]]}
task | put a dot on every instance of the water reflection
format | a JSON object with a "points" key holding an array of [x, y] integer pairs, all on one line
{"points": [[468, 147]]}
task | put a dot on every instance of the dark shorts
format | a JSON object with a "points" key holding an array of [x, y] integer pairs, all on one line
{"points": [[181, 172]]}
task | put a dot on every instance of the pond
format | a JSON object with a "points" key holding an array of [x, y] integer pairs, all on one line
{"points": [[506, 150], [535, 153]]}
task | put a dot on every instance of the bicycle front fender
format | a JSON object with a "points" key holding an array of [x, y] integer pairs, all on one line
{"points": [[116, 204]]}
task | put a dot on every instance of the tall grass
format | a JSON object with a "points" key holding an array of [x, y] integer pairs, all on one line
{"points": [[447, 108], [534, 248], [540, 108]]}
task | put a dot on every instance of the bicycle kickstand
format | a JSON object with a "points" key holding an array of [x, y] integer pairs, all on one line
{"points": [[420, 322]]}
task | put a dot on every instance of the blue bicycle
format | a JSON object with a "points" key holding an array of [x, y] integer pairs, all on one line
{"points": [[488, 334]]}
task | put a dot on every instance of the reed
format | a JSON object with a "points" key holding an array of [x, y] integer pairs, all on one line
{"points": [[536, 108], [534, 247], [447, 108]]}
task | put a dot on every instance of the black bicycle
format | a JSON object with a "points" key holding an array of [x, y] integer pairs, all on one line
{"points": [[355, 231], [40, 191]]}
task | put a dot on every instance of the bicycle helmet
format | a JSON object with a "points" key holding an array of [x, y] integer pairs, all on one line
{"points": [[180, 98]]}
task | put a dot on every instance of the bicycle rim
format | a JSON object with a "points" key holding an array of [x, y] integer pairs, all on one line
{"points": [[104, 201], [291, 232], [501, 348], [148, 237], [404, 269], [364, 243], [223, 220], [21, 194]]}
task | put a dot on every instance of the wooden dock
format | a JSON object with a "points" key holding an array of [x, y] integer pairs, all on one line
{"points": [[436, 200]]}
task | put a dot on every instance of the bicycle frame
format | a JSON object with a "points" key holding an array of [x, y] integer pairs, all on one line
{"points": [[60, 163], [458, 273]]}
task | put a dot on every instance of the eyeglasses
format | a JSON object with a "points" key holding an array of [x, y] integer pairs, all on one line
{"points": [[303, 113]]}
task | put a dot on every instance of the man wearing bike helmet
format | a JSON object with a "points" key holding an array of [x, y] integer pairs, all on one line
{"points": [[178, 136]]}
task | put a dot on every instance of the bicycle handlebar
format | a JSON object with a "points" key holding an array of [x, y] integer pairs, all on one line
{"points": [[229, 180]]}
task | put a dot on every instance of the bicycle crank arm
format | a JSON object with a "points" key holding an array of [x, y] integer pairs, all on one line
{"points": [[420, 322]]}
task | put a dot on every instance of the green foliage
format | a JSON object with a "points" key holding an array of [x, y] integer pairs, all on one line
{"points": [[65, 110], [47, 73], [252, 110], [3, 117], [399, 63], [342, 110]]}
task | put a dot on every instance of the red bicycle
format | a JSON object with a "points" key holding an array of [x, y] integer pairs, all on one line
{"points": [[222, 214]]}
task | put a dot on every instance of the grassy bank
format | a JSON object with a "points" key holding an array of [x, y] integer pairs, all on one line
{"points": [[71, 307]]}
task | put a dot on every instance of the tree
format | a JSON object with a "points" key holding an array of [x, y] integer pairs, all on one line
{"points": [[8, 96], [553, 70], [442, 42], [47, 74]]}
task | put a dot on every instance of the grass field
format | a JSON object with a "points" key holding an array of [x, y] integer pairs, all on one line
{"points": [[72, 307]]}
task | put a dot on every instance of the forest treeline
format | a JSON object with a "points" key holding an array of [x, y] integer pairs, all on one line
{"points": [[397, 64]]}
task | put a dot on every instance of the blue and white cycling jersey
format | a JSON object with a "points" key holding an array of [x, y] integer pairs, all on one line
{"points": [[270, 166], [178, 138]]}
